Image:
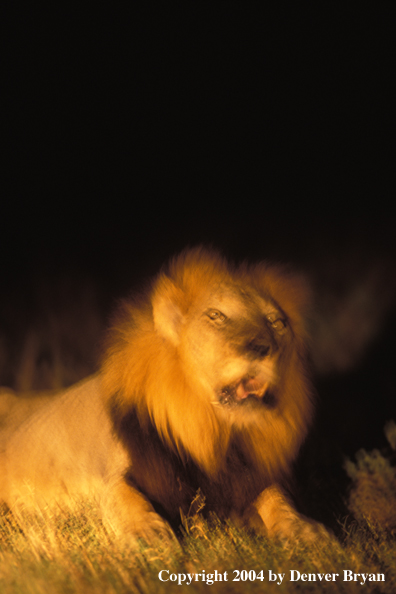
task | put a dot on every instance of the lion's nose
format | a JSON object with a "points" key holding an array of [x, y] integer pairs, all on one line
{"points": [[259, 347]]}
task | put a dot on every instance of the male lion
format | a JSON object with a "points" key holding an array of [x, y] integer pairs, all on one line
{"points": [[203, 386]]}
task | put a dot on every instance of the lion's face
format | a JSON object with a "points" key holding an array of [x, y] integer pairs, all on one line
{"points": [[232, 339]]}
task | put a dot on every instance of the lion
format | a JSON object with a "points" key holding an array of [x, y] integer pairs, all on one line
{"points": [[203, 387]]}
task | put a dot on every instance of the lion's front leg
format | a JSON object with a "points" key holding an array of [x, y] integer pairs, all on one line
{"points": [[283, 521], [127, 512]]}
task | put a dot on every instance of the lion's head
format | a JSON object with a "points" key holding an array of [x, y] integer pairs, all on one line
{"points": [[216, 358]]}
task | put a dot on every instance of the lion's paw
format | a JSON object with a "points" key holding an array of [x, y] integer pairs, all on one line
{"points": [[301, 532]]}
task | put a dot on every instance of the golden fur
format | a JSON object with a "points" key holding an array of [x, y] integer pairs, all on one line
{"points": [[203, 386]]}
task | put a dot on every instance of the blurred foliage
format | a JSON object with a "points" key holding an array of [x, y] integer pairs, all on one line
{"points": [[373, 493], [51, 338]]}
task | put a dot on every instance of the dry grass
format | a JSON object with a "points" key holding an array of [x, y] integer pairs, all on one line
{"points": [[74, 554]]}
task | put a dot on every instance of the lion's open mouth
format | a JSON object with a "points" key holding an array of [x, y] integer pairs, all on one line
{"points": [[239, 392]]}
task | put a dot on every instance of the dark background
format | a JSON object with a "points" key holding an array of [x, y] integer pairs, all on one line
{"points": [[266, 133]]}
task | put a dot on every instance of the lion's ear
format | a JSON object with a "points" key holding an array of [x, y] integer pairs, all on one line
{"points": [[167, 311]]}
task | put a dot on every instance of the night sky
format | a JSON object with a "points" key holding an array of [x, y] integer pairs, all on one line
{"points": [[131, 133]]}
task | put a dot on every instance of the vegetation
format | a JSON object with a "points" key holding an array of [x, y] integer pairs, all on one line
{"points": [[73, 554]]}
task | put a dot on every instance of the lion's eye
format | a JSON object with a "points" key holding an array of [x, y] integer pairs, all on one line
{"points": [[278, 324], [215, 314]]}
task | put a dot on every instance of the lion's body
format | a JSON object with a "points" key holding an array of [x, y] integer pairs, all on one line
{"points": [[58, 447], [203, 386]]}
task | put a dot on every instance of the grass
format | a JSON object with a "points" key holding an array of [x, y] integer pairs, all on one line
{"points": [[73, 553]]}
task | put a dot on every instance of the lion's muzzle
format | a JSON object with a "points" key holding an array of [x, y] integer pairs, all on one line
{"points": [[250, 387], [239, 391]]}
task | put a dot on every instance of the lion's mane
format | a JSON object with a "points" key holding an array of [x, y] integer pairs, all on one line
{"points": [[177, 439]]}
